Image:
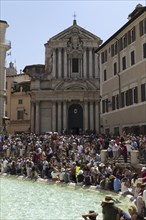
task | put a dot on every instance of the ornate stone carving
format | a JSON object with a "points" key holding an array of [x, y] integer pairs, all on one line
{"points": [[75, 44]]}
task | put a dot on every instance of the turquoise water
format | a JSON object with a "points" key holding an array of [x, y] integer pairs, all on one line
{"points": [[25, 200]]}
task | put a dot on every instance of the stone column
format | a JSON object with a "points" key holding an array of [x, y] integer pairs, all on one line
{"points": [[69, 67], [90, 63], [104, 156], [96, 66], [81, 68], [134, 157], [54, 117], [84, 63], [91, 116], [32, 117], [37, 118], [85, 116], [59, 117], [65, 63], [59, 63], [97, 123], [64, 115], [54, 63]]}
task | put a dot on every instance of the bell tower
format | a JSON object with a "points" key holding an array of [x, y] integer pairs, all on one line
{"points": [[4, 47]]}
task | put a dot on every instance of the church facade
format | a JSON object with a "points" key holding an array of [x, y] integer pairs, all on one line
{"points": [[65, 92]]}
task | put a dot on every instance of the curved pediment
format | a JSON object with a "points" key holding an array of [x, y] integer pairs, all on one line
{"points": [[75, 85]]}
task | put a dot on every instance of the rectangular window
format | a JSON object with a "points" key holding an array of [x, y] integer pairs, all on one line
{"points": [[125, 41], [121, 44], [131, 35], [104, 75], [117, 101], [124, 63], [104, 57], [113, 103], [130, 97], [114, 49], [132, 58], [104, 105], [115, 68], [135, 95], [122, 99], [143, 92], [144, 50], [20, 101], [75, 65], [142, 27], [20, 115], [126, 98]]}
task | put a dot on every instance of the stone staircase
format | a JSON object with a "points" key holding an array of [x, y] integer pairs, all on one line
{"points": [[140, 158]]}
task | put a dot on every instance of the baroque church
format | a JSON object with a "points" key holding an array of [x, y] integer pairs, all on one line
{"points": [[65, 92]]}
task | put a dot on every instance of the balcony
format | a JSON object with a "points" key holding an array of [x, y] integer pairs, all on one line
{"points": [[6, 43]]}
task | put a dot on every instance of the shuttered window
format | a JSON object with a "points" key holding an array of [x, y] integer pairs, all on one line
{"points": [[143, 92], [142, 27], [132, 58], [124, 63], [144, 50]]}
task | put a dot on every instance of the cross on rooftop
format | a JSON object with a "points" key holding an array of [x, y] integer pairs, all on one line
{"points": [[74, 16]]}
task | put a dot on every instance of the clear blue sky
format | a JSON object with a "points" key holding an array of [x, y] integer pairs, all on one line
{"points": [[33, 22]]}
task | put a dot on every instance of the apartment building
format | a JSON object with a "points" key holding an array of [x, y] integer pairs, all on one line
{"points": [[18, 101], [123, 77]]}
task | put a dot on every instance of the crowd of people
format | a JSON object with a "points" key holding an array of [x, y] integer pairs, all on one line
{"points": [[77, 159]]}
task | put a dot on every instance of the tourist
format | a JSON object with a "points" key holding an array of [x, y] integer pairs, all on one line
{"points": [[117, 184], [90, 216], [143, 174], [109, 210], [80, 178], [133, 213]]}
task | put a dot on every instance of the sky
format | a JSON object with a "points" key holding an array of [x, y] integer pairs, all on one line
{"points": [[33, 22]]}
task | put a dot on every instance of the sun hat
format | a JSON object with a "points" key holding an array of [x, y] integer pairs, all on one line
{"points": [[108, 199]]}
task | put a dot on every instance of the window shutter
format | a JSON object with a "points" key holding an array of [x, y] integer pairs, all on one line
{"points": [[144, 50], [112, 50], [122, 99], [130, 97], [113, 102], [103, 106], [129, 37], [141, 28], [135, 95], [117, 101]]}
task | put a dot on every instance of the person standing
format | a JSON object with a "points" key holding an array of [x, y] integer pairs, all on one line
{"points": [[109, 210]]}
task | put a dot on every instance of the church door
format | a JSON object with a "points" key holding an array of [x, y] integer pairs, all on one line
{"points": [[75, 118]]}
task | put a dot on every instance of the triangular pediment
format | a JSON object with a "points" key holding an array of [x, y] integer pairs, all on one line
{"points": [[75, 30]]}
